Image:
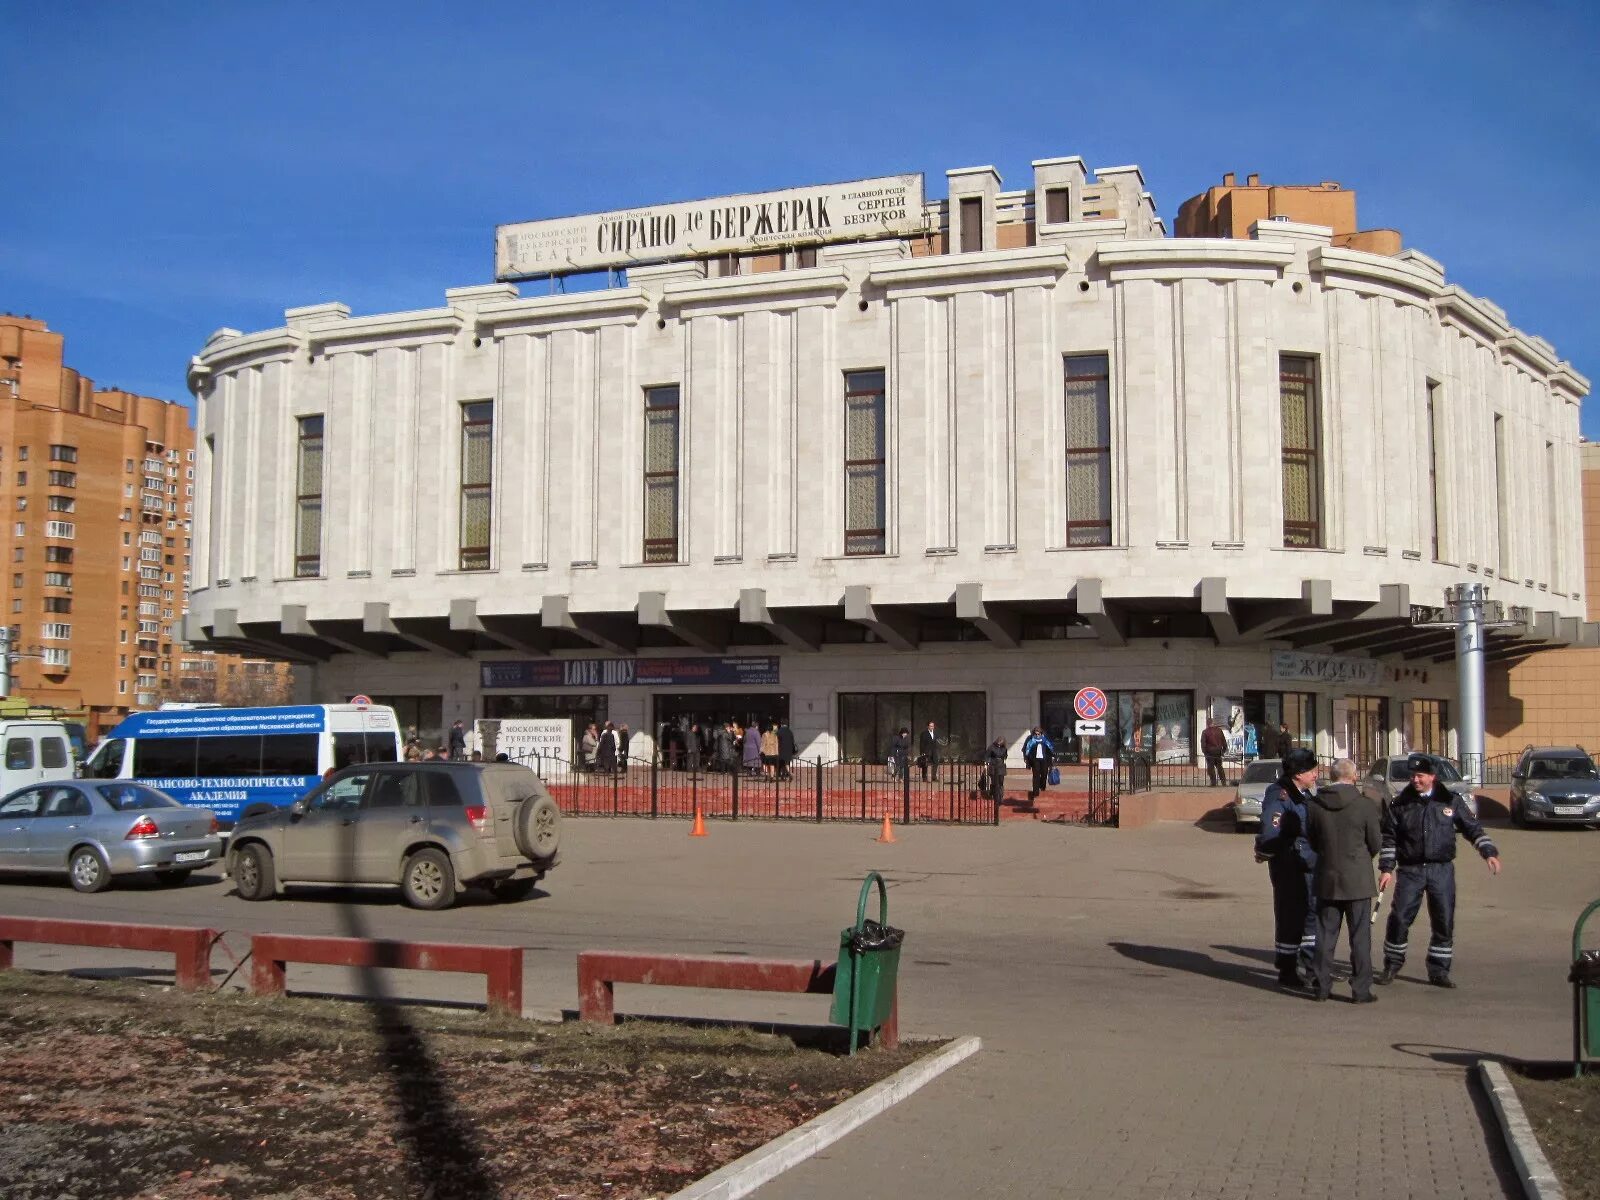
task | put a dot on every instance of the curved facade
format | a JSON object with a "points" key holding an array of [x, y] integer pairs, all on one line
{"points": [[1101, 456]]}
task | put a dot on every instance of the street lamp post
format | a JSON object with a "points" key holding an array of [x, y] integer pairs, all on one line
{"points": [[1469, 611], [1466, 602]]}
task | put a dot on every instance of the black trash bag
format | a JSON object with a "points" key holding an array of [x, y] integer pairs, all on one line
{"points": [[1586, 969], [873, 937]]}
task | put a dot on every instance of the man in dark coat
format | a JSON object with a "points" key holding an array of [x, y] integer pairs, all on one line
{"points": [[605, 755], [1284, 741], [1282, 845], [786, 749], [458, 741], [1342, 827], [995, 769], [1214, 744], [928, 751], [900, 754]]}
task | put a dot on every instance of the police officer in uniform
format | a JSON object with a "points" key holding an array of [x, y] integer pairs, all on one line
{"points": [[1419, 830], [1282, 845]]}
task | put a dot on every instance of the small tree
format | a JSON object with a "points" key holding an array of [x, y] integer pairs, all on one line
{"points": [[256, 685]]}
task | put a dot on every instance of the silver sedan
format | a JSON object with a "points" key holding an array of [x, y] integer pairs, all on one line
{"points": [[93, 829], [1252, 790], [1387, 778]]}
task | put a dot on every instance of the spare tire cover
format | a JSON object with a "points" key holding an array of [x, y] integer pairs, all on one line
{"points": [[538, 828]]}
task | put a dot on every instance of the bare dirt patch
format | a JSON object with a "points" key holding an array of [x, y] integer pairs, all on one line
{"points": [[119, 1089], [1565, 1115]]}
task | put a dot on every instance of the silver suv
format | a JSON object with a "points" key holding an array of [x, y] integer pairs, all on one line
{"points": [[431, 828]]}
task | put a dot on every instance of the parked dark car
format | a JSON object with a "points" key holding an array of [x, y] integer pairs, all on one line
{"points": [[428, 828], [1555, 785]]}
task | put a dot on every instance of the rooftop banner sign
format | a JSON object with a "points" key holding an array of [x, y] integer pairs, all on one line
{"points": [[889, 206]]}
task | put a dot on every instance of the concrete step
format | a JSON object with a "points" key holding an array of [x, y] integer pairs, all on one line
{"points": [[1051, 806]]}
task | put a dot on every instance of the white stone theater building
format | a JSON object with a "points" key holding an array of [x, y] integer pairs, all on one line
{"points": [[860, 459]]}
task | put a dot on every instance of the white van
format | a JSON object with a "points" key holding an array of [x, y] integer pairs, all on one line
{"points": [[240, 761], [35, 752]]}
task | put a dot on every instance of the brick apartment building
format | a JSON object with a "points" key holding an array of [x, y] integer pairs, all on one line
{"points": [[97, 486], [1229, 209]]}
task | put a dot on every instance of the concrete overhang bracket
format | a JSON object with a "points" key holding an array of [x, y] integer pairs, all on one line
{"points": [[601, 631], [1394, 604], [375, 618], [293, 623], [1542, 628], [1567, 630], [1001, 627], [798, 632], [1395, 639], [1505, 652], [894, 630], [464, 618], [1109, 622], [1589, 633], [275, 645], [1316, 600], [225, 624], [1213, 592], [698, 632]]}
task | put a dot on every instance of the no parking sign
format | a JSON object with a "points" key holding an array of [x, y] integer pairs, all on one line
{"points": [[1089, 704]]}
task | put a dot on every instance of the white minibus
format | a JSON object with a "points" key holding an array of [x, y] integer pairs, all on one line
{"points": [[237, 761]]}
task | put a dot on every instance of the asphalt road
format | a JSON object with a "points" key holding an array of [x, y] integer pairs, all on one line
{"points": [[1135, 1043]]}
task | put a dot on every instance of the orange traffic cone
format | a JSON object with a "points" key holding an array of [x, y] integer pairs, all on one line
{"points": [[888, 831], [699, 829]]}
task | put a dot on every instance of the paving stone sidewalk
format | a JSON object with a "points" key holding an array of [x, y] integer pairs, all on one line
{"points": [[1136, 1045]]}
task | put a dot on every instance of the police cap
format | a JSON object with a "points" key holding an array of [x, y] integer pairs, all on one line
{"points": [[1298, 761], [1423, 763]]}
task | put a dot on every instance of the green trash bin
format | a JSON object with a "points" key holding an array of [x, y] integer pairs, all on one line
{"points": [[1585, 979], [869, 965]]}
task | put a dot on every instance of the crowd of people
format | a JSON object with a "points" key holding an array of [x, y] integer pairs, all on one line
{"points": [[761, 749], [1319, 843], [452, 749]]}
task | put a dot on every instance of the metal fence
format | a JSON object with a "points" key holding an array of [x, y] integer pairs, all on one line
{"points": [[1105, 790], [1493, 770], [807, 790], [1139, 774]]}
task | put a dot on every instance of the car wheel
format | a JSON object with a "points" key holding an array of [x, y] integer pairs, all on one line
{"points": [[172, 878], [88, 871], [252, 872], [1518, 817], [428, 880], [512, 890], [538, 828]]}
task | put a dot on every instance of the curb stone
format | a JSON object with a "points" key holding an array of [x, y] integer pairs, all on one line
{"points": [[1533, 1168], [745, 1175]]}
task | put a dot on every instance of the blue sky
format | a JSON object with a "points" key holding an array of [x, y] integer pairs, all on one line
{"points": [[176, 167]]}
